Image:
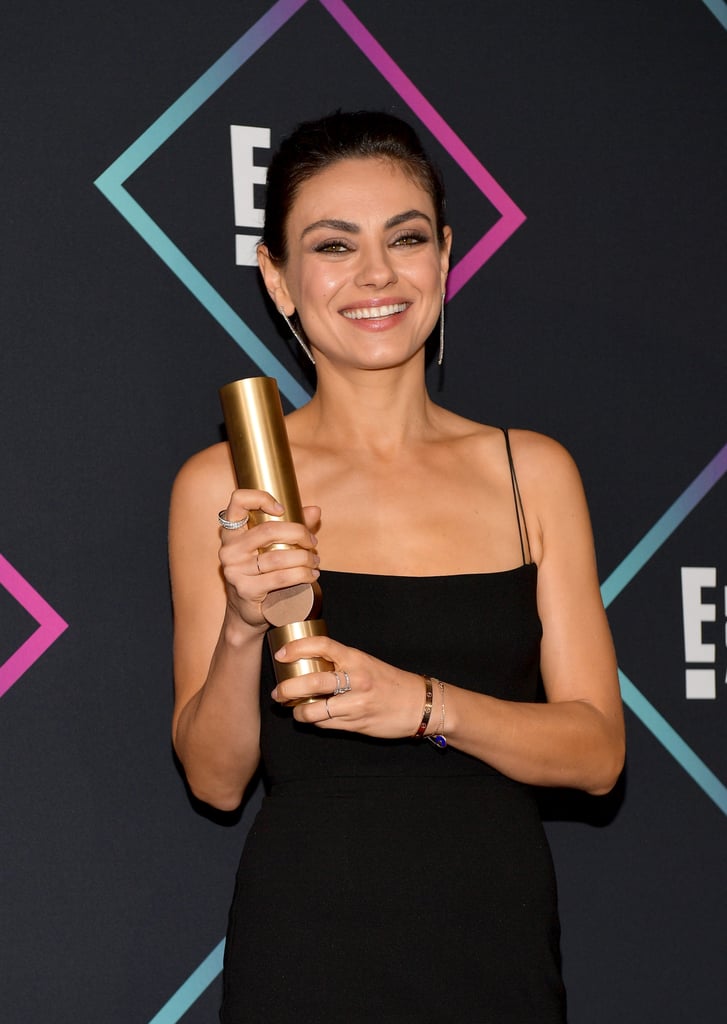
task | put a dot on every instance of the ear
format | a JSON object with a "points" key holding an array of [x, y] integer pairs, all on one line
{"points": [[444, 252], [274, 278]]}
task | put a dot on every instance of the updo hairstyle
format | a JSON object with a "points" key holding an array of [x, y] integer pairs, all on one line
{"points": [[316, 145]]}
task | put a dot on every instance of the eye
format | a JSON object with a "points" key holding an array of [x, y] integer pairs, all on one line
{"points": [[410, 238], [332, 245]]}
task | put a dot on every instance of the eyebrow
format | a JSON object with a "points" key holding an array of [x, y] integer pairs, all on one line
{"points": [[352, 229]]}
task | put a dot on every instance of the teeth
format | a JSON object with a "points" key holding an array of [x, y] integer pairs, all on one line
{"points": [[374, 312]]}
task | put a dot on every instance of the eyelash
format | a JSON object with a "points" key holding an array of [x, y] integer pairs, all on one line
{"points": [[338, 245], [417, 237], [332, 245]]}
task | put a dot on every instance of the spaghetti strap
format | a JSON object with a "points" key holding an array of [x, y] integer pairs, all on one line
{"points": [[519, 510]]}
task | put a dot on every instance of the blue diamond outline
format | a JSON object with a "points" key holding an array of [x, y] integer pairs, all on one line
{"points": [[189, 991], [616, 583], [718, 9], [111, 183]]}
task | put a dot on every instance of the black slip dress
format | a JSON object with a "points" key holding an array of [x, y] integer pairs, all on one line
{"points": [[389, 880]]}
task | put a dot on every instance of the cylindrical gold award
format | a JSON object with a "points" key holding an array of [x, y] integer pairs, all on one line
{"points": [[263, 461]]}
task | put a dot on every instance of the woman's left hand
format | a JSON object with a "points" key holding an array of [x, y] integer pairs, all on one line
{"points": [[382, 701]]}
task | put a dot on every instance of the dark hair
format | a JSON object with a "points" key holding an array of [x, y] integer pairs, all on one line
{"points": [[315, 145]]}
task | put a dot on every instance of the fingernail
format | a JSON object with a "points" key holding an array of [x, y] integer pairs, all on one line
{"points": [[280, 653], [316, 573], [274, 694]]}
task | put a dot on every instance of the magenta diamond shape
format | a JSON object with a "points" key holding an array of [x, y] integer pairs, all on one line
{"points": [[50, 626], [511, 217]]}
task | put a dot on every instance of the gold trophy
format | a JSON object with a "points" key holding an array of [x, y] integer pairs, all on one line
{"points": [[263, 461]]}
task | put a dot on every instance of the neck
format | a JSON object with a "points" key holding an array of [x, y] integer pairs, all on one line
{"points": [[380, 411]]}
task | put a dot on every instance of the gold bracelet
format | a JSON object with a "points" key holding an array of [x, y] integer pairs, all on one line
{"points": [[439, 739], [427, 709]]}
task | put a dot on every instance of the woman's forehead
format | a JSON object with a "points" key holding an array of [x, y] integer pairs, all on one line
{"points": [[369, 185]]}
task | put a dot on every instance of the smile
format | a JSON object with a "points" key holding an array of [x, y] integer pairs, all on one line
{"points": [[374, 312]]}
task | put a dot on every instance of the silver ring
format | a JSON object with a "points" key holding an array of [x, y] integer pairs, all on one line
{"points": [[346, 686], [328, 710], [231, 524]]}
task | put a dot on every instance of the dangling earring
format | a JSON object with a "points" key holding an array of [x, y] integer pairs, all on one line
{"points": [[440, 357], [297, 336]]}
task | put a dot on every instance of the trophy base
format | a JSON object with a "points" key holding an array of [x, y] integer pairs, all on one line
{"points": [[280, 636], [292, 604]]}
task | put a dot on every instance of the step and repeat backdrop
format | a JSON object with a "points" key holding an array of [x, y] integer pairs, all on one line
{"points": [[584, 150]]}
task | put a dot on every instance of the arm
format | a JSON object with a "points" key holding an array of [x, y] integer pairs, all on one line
{"points": [[576, 739], [218, 625]]}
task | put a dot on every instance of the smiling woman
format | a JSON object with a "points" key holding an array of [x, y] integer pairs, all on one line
{"points": [[382, 268], [459, 575]]}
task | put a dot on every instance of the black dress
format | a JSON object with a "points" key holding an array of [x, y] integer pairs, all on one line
{"points": [[388, 879]]}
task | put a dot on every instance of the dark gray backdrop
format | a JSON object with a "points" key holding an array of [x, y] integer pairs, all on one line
{"points": [[599, 320]]}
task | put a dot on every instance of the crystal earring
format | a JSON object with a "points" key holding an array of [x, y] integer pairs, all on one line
{"points": [[440, 357], [297, 336]]}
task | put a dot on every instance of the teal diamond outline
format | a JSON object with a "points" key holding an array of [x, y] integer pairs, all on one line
{"points": [[616, 583], [111, 184]]}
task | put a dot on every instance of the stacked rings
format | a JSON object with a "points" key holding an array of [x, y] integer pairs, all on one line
{"points": [[346, 686], [231, 524]]}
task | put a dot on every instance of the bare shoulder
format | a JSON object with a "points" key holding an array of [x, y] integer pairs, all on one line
{"points": [[202, 487], [206, 477], [537, 457], [542, 463], [552, 493]]}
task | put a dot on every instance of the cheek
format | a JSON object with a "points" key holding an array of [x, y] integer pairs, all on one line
{"points": [[431, 278], [321, 287]]}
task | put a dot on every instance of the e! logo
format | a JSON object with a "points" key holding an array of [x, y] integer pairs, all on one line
{"points": [[701, 683], [245, 176]]}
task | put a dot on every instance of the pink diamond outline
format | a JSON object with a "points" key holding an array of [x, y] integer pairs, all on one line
{"points": [[50, 626], [511, 216]]}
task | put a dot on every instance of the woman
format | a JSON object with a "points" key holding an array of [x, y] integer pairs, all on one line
{"points": [[384, 877]]}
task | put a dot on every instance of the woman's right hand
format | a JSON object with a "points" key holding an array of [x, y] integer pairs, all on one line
{"points": [[250, 568]]}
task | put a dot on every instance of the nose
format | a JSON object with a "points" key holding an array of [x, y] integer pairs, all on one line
{"points": [[375, 267]]}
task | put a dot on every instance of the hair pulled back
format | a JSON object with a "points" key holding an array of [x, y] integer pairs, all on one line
{"points": [[316, 145]]}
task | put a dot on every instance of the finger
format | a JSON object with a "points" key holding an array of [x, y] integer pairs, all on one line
{"points": [[330, 712], [278, 532], [268, 583], [254, 574], [314, 647], [280, 559], [241, 506], [239, 547], [241, 552], [252, 584], [245, 500], [324, 713], [313, 684]]}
